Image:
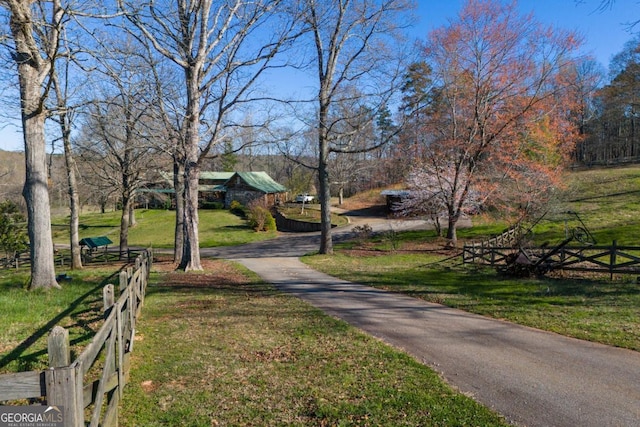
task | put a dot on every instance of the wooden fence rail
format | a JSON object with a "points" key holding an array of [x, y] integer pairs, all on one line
{"points": [[508, 238], [62, 258], [93, 383], [612, 259]]}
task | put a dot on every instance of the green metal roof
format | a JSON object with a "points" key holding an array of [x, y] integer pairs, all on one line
{"points": [[94, 242], [261, 181], [217, 176]]}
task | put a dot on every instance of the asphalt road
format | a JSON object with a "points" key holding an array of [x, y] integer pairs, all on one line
{"points": [[533, 378]]}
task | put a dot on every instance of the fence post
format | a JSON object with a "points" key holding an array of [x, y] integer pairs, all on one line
{"points": [[119, 356], [58, 347], [124, 280], [64, 382], [108, 298], [612, 261], [149, 255], [64, 389]]}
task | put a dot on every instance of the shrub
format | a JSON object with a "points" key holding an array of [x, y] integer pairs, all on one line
{"points": [[13, 238], [362, 232], [260, 219], [212, 205], [236, 208], [270, 223]]}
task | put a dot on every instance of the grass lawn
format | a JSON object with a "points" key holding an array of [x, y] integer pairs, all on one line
{"points": [[591, 308], [155, 228], [27, 317], [607, 202], [242, 353], [311, 213]]}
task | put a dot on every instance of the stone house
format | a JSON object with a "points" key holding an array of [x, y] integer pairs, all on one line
{"points": [[225, 187], [246, 187]]}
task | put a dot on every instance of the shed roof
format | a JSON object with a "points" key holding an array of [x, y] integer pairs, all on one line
{"points": [[94, 242], [261, 181], [396, 193]]}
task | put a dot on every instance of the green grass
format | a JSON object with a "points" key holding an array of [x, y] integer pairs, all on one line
{"points": [[243, 354], [594, 309], [311, 213], [155, 228], [27, 317], [606, 200]]}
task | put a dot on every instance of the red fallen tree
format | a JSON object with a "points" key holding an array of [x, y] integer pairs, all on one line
{"points": [[501, 123]]}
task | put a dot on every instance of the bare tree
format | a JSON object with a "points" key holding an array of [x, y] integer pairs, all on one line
{"points": [[357, 59], [613, 136], [171, 137], [64, 116], [35, 28], [221, 49], [65, 80], [120, 129]]}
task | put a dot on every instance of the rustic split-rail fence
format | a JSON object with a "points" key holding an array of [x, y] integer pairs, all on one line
{"points": [[505, 250], [89, 388]]}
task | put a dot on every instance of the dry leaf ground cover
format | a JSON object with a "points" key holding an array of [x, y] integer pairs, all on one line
{"points": [[221, 348]]}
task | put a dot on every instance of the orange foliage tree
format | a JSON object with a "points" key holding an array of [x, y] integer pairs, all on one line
{"points": [[501, 127]]}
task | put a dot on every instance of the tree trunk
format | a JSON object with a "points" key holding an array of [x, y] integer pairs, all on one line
{"points": [[326, 241], [452, 233], [74, 201], [124, 225], [437, 225], [178, 185], [31, 72], [132, 213], [35, 191], [191, 247]]}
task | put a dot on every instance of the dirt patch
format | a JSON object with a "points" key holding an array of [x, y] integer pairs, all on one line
{"points": [[215, 273], [149, 386]]}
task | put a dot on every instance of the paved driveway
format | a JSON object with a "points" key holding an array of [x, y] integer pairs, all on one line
{"points": [[533, 378]]}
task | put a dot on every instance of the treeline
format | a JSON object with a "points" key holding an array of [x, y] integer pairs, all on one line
{"points": [[374, 170], [612, 130]]}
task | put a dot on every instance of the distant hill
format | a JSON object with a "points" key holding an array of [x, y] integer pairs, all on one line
{"points": [[12, 173]]}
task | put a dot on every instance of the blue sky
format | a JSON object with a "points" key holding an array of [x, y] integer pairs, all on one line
{"points": [[605, 31]]}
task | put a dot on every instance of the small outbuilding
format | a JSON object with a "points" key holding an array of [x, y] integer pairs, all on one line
{"points": [[395, 198]]}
